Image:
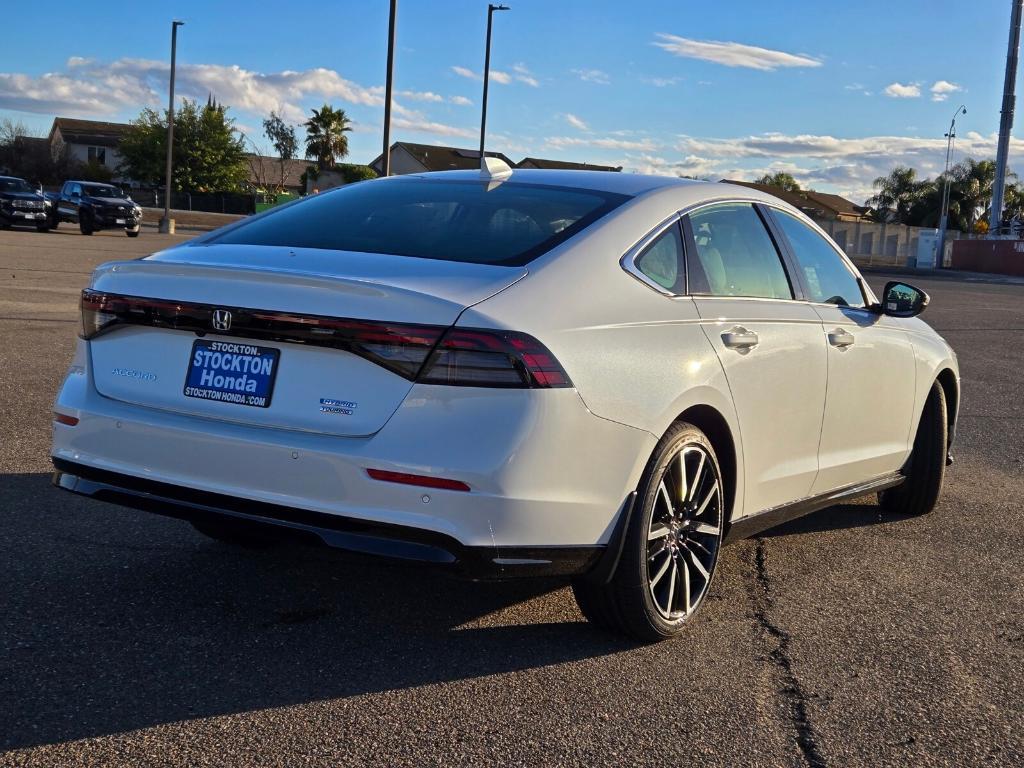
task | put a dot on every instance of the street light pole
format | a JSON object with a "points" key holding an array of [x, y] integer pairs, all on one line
{"points": [[166, 224], [386, 163], [487, 72], [995, 220], [950, 140]]}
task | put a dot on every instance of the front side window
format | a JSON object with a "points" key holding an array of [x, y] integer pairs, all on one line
{"points": [[735, 255], [828, 279], [468, 221], [662, 260]]}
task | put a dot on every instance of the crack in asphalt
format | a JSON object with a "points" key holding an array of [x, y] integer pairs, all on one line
{"points": [[792, 690]]}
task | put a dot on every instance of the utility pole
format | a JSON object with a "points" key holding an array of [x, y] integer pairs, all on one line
{"points": [[1005, 120], [487, 72], [166, 223], [943, 223], [386, 163]]}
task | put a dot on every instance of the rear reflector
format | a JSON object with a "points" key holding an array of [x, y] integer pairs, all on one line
{"points": [[62, 418], [424, 481]]}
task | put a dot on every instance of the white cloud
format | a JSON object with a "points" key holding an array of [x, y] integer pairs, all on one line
{"points": [[901, 91], [496, 75], [662, 82], [942, 88], [731, 54], [564, 142], [524, 75], [575, 122], [461, 101], [421, 96], [437, 129], [593, 76]]}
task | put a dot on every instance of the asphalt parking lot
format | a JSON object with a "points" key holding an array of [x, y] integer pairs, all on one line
{"points": [[843, 639]]}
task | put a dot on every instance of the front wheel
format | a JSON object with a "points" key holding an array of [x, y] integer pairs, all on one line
{"points": [[926, 467], [42, 227], [671, 546], [84, 224], [132, 232]]}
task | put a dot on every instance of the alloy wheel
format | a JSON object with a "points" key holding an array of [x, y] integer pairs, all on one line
{"points": [[685, 532]]}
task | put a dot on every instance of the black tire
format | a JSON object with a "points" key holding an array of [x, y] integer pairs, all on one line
{"points": [[687, 552], [42, 227], [236, 533], [926, 467], [85, 223], [132, 232]]}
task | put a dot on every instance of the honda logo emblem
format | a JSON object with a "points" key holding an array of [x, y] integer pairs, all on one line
{"points": [[221, 320]]}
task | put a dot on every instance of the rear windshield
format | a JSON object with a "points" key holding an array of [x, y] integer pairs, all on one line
{"points": [[509, 224]]}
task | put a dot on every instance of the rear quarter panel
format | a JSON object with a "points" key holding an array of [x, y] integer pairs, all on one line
{"points": [[635, 356]]}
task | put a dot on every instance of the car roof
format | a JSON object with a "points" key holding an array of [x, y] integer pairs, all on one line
{"points": [[80, 181], [11, 178], [630, 184], [605, 181]]}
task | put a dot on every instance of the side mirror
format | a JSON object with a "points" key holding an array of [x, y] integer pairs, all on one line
{"points": [[902, 300]]}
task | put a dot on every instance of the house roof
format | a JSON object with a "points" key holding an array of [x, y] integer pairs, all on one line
{"points": [[266, 169], [820, 204], [563, 165], [94, 132], [435, 158]]}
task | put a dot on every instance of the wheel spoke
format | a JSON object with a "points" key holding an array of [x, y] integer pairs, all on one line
{"points": [[663, 490], [686, 588], [708, 528], [696, 478], [672, 586], [658, 533], [707, 500], [661, 572], [698, 565], [683, 490]]}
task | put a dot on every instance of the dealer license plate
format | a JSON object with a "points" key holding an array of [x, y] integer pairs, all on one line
{"points": [[232, 372]]}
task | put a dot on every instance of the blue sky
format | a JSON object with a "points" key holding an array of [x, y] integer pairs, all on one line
{"points": [[834, 93]]}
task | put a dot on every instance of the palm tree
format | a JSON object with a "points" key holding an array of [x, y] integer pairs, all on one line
{"points": [[325, 135], [898, 194]]}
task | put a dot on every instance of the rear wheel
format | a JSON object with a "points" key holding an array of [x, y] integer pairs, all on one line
{"points": [[672, 544], [926, 467], [236, 533]]}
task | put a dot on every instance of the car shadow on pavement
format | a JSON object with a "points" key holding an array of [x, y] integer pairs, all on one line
{"points": [[840, 517], [113, 620]]}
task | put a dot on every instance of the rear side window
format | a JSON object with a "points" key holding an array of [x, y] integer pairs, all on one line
{"points": [[662, 260], [735, 255], [828, 279], [508, 223]]}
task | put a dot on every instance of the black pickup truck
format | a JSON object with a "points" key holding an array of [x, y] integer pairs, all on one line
{"points": [[95, 206], [20, 205]]}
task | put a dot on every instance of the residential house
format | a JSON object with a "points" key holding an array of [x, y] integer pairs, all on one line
{"points": [[420, 158], [563, 165], [267, 173], [87, 141], [817, 205]]}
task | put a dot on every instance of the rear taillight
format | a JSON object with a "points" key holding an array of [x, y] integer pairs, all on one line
{"points": [[424, 481], [473, 357], [429, 354]]}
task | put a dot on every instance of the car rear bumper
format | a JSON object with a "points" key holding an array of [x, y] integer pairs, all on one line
{"points": [[543, 471], [349, 534]]}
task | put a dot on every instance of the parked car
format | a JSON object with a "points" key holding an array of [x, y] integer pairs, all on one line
{"points": [[598, 376], [21, 205], [95, 206]]}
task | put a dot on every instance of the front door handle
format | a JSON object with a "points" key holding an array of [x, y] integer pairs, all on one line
{"points": [[739, 337], [840, 338]]}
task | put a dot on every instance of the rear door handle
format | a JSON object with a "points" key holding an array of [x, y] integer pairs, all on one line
{"points": [[840, 338], [739, 337]]}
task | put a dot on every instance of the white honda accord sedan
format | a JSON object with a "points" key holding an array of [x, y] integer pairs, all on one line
{"points": [[599, 376]]}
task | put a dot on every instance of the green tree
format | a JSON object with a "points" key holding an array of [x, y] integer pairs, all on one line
{"points": [[326, 141], [898, 194], [781, 180], [208, 154], [282, 136]]}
